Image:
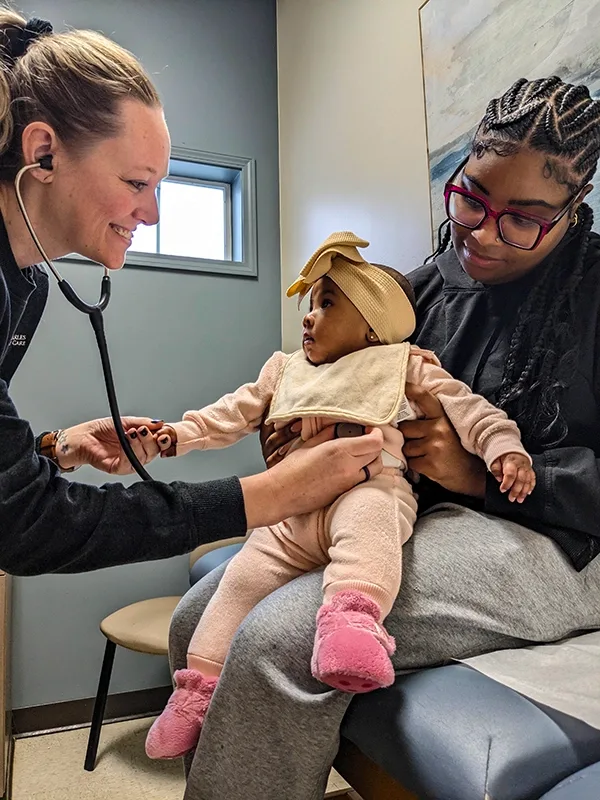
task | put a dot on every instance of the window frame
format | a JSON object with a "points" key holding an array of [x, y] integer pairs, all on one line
{"points": [[242, 232]]}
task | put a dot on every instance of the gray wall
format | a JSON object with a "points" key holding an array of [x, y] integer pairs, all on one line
{"points": [[177, 341]]}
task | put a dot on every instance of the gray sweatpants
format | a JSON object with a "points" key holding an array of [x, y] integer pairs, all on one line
{"points": [[471, 583]]}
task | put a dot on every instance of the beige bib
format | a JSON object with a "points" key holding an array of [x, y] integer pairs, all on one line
{"points": [[366, 386]]}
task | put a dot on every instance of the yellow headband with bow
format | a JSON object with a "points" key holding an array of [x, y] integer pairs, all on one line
{"points": [[377, 296]]}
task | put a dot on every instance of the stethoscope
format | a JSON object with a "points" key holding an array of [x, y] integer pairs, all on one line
{"points": [[94, 312]]}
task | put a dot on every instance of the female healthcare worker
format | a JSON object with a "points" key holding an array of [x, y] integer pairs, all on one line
{"points": [[88, 104]]}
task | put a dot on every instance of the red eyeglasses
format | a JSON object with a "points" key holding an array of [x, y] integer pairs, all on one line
{"points": [[516, 228]]}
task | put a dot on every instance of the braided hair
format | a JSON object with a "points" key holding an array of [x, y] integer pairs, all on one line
{"points": [[563, 122]]}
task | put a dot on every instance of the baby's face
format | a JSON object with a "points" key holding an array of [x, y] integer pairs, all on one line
{"points": [[333, 327]]}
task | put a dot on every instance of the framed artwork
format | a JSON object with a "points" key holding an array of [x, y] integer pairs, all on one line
{"points": [[474, 50]]}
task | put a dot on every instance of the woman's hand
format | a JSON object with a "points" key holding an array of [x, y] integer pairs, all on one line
{"points": [[433, 449], [311, 477], [96, 443], [276, 443]]}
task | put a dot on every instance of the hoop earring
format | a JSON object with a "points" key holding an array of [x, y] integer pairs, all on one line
{"points": [[574, 220]]}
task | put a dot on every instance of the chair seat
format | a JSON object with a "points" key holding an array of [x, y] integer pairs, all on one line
{"points": [[143, 626]]}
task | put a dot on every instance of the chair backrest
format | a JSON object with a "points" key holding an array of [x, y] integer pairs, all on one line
{"points": [[203, 549]]}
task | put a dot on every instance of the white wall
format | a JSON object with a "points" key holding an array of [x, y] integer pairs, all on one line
{"points": [[352, 139]]}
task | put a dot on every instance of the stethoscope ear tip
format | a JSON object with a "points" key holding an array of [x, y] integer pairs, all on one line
{"points": [[45, 162]]}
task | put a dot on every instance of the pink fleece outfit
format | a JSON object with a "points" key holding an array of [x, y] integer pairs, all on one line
{"points": [[359, 537]]}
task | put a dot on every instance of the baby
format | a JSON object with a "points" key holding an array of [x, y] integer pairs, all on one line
{"points": [[353, 366]]}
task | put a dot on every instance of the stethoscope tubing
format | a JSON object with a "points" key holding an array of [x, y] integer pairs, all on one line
{"points": [[95, 313]]}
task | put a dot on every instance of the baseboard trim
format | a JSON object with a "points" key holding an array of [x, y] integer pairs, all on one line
{"points": [[75, 713]]}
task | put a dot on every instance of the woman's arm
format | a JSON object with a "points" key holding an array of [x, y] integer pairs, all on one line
{"points": [[433, 448], [567, 493], [49, 524]]}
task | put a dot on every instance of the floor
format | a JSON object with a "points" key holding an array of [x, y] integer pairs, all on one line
{"points": [[50, 767]]}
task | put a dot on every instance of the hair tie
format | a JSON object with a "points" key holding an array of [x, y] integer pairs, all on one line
{"points": [[24, 36]]}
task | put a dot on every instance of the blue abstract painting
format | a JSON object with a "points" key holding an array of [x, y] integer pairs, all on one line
{"points": [[474, 50]]}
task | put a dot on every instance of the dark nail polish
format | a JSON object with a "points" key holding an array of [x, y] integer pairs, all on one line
{"points": [[156, 421], [133, 435], [144, 432]]}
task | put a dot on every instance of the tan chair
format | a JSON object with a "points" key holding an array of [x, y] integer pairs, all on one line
{"points": [[143, 627]]}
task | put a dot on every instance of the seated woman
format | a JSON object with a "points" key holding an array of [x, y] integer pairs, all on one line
{"points": [[511, 308], [356, 331]]}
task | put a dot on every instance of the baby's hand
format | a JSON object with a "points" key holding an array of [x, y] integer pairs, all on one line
{"points": [[166, 438], [513, 471]]}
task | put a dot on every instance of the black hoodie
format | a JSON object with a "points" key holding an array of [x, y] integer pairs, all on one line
{"points": [[469, 326]]}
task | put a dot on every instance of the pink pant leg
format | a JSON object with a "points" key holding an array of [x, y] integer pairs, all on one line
{"points": [[270, 558], [366, 529]]}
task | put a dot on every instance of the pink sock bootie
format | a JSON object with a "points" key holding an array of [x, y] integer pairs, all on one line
{"points": [[177, 730], [352, 650]]}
